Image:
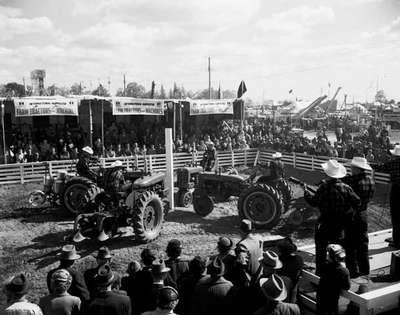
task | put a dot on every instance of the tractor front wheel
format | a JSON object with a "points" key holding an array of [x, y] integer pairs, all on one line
{"points": [[203, 204]]}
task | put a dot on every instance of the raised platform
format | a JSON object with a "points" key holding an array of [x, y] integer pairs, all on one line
{"points": [[383, 291]]}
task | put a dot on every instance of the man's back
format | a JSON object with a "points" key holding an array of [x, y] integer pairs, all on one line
{"points": [[22, 307], [279, 308], [63, 304], [110, 303]]}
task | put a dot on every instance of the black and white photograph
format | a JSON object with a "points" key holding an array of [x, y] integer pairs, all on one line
{"points": [[171, 157]]}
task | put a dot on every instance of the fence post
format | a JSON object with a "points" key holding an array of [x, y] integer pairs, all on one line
{"points": [[245, 157], [312, 162], [294, 159], [136, 162], [150, 163], [21, 172], [103, 162], [233, 158], [50, 168]]}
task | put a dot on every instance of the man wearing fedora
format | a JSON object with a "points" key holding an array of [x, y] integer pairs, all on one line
{"points": [[224, 248], [274, 291], [107, 302], [67, 257], [392, 167], [168, 299], [335, 201], [356, 233], [103, 257], [15, 290], [276, 166]]}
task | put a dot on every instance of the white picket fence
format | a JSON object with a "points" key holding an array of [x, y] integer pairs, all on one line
{"points": [[34, 172]]}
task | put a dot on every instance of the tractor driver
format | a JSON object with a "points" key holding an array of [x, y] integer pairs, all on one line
{"points": [[276, 166], [209, 157], [82, 167]]}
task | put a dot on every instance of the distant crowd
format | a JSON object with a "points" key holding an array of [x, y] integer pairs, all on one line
{"points": [[49, 143]]}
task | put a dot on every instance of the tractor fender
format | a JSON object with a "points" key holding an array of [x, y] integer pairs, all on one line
{"points": [[149, 180]]}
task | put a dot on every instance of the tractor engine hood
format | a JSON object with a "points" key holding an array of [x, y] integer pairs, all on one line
{"points": [[149, 180]]}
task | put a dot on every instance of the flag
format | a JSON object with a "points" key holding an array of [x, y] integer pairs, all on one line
{"points": [[290, 91], [242, 89]]}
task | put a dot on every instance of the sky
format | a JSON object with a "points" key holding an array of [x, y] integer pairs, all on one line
{"points": [[310, 46]]}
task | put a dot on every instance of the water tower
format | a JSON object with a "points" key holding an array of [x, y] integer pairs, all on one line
{"points": [[37, 78]]}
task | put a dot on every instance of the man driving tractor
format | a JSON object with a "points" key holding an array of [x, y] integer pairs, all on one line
{"points": [[209, 157], [83, 164]]}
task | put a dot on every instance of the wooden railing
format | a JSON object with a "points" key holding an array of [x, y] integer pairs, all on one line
{"points": [[34, 172]]}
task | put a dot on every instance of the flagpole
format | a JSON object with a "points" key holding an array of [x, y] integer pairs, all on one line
{"points": [[209, 77]]}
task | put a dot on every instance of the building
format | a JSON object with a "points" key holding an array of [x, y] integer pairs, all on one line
{"points": [[37, 78]]}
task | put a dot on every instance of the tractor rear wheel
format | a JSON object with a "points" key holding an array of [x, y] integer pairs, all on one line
{"points": [[203, 204], [147, 217], [74, 197], [261, 204]]}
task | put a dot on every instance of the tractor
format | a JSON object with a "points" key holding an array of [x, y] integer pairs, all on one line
{"points": [[262, 201]]}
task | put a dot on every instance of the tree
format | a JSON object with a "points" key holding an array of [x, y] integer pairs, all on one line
{"points": [[78, 89], [100, 91], [55, 90], [13, 89], [380, 96], [134, 89]]}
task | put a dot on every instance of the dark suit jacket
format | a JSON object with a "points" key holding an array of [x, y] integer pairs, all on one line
{"points": [[78, 287], [90, 281], [110, 303]]}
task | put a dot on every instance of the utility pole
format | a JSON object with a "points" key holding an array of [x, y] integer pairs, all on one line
{"points": [[109, 85], [209, 77], [124, 85]]}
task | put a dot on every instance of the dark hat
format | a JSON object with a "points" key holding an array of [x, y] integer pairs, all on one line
{"points": [[166, 295], [148, 254], [270, 259], [17, 284], [104, 276], [174, 245], [197, 265], [216, 267], [159, 267], [68, 252], [246, 225], [273, 288], [133, 267], [286, 246], [224, 243], [103, 253]]}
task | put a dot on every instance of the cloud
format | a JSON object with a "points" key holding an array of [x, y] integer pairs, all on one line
{"points": [[387, 32]]}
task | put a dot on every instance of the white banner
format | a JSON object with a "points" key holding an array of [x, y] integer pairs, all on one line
{"points": [[46, 106], [137, 106], [207, 107]]}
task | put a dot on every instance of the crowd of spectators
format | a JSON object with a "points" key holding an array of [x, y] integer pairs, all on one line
{"points": [[50, 143]]}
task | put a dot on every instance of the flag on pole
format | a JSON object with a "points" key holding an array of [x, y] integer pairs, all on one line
{"points": [[242, 89], [290, 91]]}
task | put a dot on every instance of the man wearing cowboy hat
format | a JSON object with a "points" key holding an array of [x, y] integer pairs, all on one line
{"points": [[393, 168], [103, 258], [15, 290], [274, 290], [106, 301], [67, 257], [277, 166], [335, 201], [209, 157], [356, 233], [83, 164]]}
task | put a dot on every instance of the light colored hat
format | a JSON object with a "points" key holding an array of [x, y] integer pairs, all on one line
{"points": [[270, 259], [116, 163], [68, 252], [334, 169], [88, 150], [273, 288], [360, 162], [277, 155], [396, 150]]}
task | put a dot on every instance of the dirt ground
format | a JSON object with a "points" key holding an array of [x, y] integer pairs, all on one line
{"points": [[30, 238]]}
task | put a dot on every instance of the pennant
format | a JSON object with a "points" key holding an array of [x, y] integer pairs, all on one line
{"points": [[242, 89]]}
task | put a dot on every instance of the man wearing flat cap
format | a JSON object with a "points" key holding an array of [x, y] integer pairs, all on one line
{"points": [[356, 233], [107, 302], [15, 289], [336, 202], [67, 257], [103, 257]]}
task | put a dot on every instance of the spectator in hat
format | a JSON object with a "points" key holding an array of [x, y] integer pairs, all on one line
{"points": [[60, 301], [15, 290], [129, 282], [334, 277], [197, 271], [335, 201], [224, 248], [168, 299], [356, 233], [392, 167], [248, 250], [159, 272], [274, 291], [106, 301], [178, 266], [292, 263], [209, 156], [213, 294], [103, 257], [67, 258]]}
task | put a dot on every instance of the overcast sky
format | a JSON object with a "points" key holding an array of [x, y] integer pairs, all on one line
{"points": [[274, 45]]}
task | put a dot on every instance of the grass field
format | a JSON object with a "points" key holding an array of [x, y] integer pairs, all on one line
{"points": [[30, 238]]}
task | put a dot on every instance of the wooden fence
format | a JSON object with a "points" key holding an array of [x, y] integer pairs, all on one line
{"points": [[34, 172]]}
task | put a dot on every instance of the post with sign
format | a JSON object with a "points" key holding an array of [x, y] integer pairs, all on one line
{"points": [[3, 131], [169, 174]]}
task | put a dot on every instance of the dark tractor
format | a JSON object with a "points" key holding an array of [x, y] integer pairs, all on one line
{"points": [[186, 180]]}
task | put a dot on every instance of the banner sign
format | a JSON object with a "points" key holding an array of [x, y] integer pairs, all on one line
{"points": [[46, 107], [391, 117], [137, 106], [210, 107]]}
